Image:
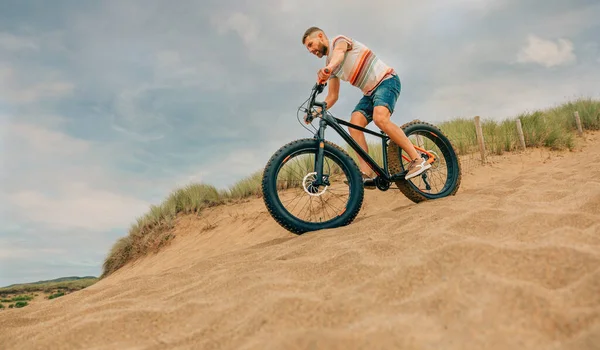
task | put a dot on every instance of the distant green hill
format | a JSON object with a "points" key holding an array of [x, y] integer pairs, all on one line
{"points": [[61, 279], [71, 283]]}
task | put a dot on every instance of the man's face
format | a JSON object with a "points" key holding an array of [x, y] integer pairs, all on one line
{"points": [[316, 45]]}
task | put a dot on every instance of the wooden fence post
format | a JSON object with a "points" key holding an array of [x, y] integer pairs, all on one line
{"points": [[520, 132], [420, 141], [578, 122], [480, 138]]}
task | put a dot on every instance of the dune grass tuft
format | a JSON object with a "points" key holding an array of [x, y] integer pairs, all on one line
{"points": [[151, 231], [248, 187], [553, 128]]}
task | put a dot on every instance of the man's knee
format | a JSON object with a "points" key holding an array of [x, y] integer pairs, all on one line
{"points": [[381, 116], [358, 118]]}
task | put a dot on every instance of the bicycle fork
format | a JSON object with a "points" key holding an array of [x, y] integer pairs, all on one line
{"points": [[320, 136]]}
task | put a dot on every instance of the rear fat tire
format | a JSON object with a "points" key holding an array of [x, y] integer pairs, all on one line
{"points": [[279, 212], [448, 152]]}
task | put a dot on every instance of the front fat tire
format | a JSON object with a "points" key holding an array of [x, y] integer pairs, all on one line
{"points": [[276, 208]]}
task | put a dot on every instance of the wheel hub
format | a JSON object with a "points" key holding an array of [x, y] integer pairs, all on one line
{"points": [[310, 188], [436, 161]]}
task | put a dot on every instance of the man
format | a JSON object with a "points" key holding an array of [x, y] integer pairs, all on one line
{"points": [[352, 61]]}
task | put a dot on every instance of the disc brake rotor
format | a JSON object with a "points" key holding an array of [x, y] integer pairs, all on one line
{"points": [[309, 188]]}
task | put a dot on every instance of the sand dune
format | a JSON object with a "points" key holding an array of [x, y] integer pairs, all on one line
{"points": [[511, 262]]}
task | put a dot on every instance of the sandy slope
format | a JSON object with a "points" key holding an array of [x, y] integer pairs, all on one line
{"points": [[511, 262]]}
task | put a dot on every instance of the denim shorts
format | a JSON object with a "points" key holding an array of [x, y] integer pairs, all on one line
{"points": [[385, 94]]}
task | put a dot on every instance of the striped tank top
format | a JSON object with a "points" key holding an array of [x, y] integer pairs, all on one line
{"points": [[360, 66]]}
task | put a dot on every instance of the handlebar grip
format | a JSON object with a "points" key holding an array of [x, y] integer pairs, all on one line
{"points": [[326, 71]]}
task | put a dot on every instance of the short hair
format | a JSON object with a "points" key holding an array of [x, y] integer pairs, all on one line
{"points": [[309, 31]]}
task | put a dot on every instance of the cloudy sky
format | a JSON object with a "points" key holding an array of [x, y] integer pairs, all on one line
{"points": [[106, 106]]}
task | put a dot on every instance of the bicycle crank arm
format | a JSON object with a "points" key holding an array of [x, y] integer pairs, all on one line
{"points": [[398, 176]]}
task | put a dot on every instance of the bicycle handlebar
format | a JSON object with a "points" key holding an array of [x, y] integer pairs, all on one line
{"points": [[317, 89]]}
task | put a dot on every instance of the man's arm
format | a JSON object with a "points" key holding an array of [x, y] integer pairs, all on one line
{"points": [[334, 83], [332, 92], [337, 56]]}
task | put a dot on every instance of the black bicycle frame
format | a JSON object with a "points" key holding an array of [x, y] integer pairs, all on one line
{"points": [[329, 120]]}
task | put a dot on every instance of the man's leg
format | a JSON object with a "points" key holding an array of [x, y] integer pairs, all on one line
{"points": [[384, 101], [362, 115], [359, 119], [381, 117]]}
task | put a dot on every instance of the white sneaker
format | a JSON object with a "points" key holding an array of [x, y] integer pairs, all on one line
{"points": [[416, 167]]}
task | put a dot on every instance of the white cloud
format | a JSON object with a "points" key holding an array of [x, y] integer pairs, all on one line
{"points": [[245, 26], [138, 119], [79, 206], [473, 7], [42, 140], [571, 21], [57, 180], [547, 53], [7, 252], [14, 89], [10, 42], [177, 69], [500, 97]]}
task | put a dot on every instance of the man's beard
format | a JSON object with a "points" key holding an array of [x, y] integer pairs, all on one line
{"points": [[324, 49]]}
